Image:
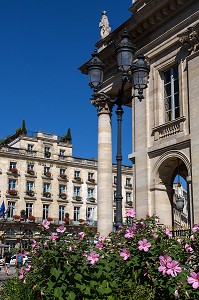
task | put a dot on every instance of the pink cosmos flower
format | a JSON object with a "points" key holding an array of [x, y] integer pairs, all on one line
{"points": [[81, 235], [21, 272], [129, 233], [167, 232], [173, 268], [101, 238], [28, 267], [188, 248], [93, 257], [195, 228], [46, 224], [53, 237], [144, 245], [130, 213], [61, 229], [99, 245], [194, 280], [125, 254]]}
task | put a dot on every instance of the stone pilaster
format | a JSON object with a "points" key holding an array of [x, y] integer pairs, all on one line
{"points": [[104, 183]]}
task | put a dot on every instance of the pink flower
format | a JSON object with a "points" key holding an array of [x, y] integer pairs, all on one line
{"points": [[129, 233], [195, 228], [21, 272], [93, 257], [53, 237], [33, 244], [194, 280], [61, 229], [179, 241], [28, 267], [176, 294], [101, 238], [165, 259], [144, 245], [46, 224], [192, 237], [99, 245], [130, 213], [162, 268], [167, 232], [188, 248], [125, 254], [173, 268], [81, 234]]}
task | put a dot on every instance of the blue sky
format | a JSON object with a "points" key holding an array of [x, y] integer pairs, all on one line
{"points": [[43, 43]]}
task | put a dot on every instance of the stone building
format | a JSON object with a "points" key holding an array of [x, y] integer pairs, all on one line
{"points": [[165, 125], [39, 177]]}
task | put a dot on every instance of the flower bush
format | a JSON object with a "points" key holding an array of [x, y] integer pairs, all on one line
{"points": [[141, 260]]}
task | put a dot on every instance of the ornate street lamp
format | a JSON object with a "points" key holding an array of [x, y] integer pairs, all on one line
{"points": [[138, 74]]}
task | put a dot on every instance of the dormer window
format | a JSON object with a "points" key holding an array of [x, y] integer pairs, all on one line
{"points": [[47, 152], [61, 152], [30, 147]]}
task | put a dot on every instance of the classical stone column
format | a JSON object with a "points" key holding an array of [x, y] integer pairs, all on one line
{"points": [[104, 176]]}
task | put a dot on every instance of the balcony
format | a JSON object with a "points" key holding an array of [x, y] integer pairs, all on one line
{"points": [[47, 194], [30, 193], [91, 199], [47, 174], [63, 196], [91, 181], [77, 180], [12, 192], [77, 198], [31, 172]]}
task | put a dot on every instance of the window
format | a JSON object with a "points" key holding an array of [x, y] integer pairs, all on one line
{"points": [[90, 176], [115, 180], [76, 191], [62, 189], [13, 165], [90, 193], [46, 187], [45, 211], [30, 147], [30, 185], [90, 213], [61, 152], [12, 184], [114, 195], [11, 209], [30, 167], [171, 94], [128, 197], [128, 181], [61, 212], [47, 152], [46, 169], [29, 207], [62, 171], [76, 174], [76, 213]]}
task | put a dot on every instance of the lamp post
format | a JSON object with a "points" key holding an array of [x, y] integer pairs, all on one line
{"points": [[137, 72]]}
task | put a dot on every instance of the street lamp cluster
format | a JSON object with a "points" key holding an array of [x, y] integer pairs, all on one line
{"points": [[137, 73]]}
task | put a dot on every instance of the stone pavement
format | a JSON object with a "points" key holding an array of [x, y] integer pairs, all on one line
{"points": [[3, 273]]}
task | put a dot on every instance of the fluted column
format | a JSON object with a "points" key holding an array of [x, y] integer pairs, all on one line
{"points": [[104, 176]]}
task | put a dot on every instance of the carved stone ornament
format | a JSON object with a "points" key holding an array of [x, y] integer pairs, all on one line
{"points": [[105, 29], [103, 104], [190, 38]]}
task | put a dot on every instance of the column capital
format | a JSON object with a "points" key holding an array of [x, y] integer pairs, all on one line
{"points": [[103, 104]]}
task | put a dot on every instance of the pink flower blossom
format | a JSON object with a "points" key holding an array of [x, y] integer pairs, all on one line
{"points": [[93, 257], [53, 237], [188, 248], [130, 213], [165, 259], [101, 238], [99, 245], [61, 229], [167, 232], [46, 224], [179, 241], [194, 280], [28, 267], [195, 228], [173, 268], [162, 268], [176, 294], [144, 245], [125, 254], [81, 235], [21, 272], [129, 233], [33, 244], [192, 237]]}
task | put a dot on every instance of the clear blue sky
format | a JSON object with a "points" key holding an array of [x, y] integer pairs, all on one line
{"points": [[43, 43]]}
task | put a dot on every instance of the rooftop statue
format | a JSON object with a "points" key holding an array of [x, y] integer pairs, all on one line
{"points": [[104, 25]]}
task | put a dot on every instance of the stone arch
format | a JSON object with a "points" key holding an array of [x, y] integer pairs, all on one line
{"points": [[168, 165]]}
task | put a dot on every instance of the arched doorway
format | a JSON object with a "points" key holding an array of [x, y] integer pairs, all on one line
{"points": [[171, 190]]}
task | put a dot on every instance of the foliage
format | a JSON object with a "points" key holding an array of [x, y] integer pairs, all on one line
{"points": [[140, 261], [67, 137]]}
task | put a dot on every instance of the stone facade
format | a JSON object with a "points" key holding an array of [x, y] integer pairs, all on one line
{"points": [[39, 174], [165, 126]]}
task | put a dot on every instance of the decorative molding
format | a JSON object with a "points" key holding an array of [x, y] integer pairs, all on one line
{"points": [[190, 38], [168, 129]]}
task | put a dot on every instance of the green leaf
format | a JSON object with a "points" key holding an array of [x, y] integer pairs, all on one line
{"points": [[71, 296]]}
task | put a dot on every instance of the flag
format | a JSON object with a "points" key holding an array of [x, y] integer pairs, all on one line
{"points": [[2, 210]]}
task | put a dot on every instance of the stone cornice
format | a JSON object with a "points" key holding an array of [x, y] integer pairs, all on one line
{"points": [[190, 38]]}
